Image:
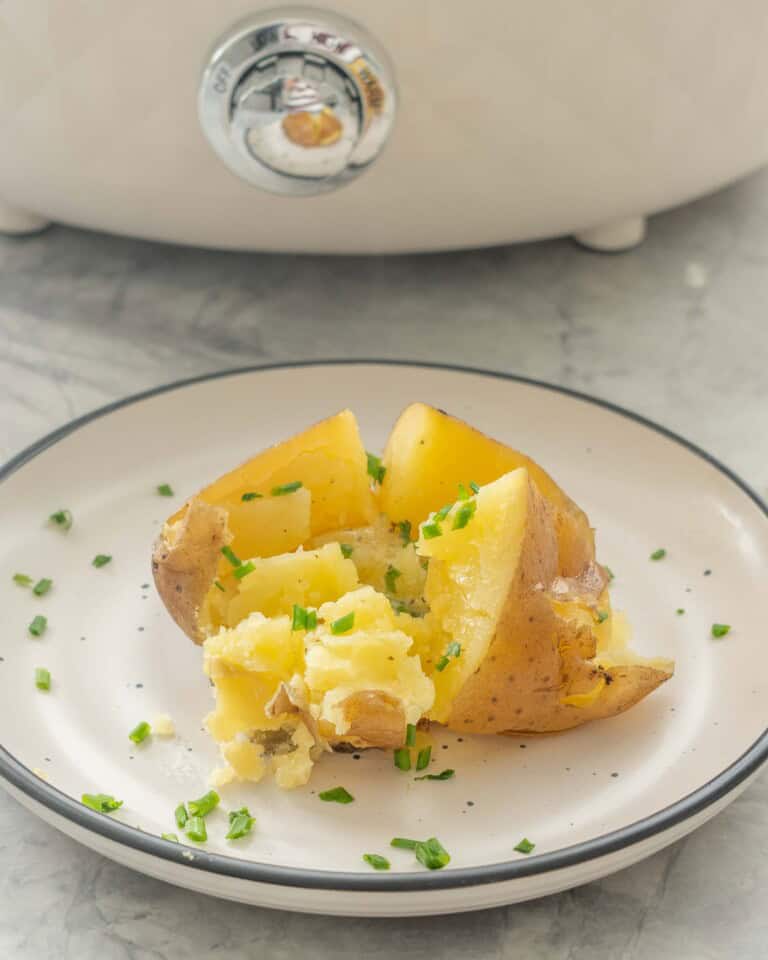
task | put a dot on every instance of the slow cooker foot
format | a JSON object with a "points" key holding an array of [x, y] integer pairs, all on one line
{"points": [[616, 236], [18, 223]]}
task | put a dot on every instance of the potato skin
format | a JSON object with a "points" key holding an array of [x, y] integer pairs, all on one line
{"points": [[184, 563]]}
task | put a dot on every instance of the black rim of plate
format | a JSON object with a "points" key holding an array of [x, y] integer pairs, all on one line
{"points": [[23, 779]]}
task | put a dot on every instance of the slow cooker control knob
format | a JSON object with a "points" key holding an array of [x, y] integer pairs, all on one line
{"points": [[297, 101]]}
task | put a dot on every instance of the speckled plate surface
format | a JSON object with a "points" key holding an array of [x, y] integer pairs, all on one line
{"points": [[592, 800]]}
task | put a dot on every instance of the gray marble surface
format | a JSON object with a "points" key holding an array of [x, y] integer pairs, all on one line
{"points": [[676, 330]]}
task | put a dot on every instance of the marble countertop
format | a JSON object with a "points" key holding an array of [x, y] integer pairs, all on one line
{"points": [[676, 330]]}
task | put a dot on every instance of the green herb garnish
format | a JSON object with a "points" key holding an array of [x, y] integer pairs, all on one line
{"points": [[452, 650], [525, 846], [240, 824], [140, 732], [196, 829], [720, 629], [251, 495], [343, 624], [431, 530], [203, 806], [336, 795], [404, 529], [42, 587], [432, 854], [464, 494], [658, 554], [443, 775], [410, 735], [233, 558], [346, 550], [285, 488], [403, 758], [443, 512], [42, 678], [303, 619], [680, 611], [181, 815], [101, 802], [170, 836], [390, 578], [244, 569], [602, 616], [402, 843], [422, 761], [22, 580], [101, 560], [611, 574], [375, 469], [474, 487], [62, 519], [219, 585], [464, 514], [165, 490], [399, 606], [38, 626], [377, 862]]}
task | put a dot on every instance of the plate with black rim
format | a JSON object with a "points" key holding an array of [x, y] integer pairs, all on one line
{"points": [[592, 800]]}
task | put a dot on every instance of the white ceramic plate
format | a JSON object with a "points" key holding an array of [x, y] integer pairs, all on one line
{"points": [[593, 800]]}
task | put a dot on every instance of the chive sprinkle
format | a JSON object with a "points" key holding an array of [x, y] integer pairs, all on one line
{"points": [[42, 678], [343, 624], [244, 569], [474, 487], [202, 807], [452, 650], [431, 530], [303, 619], [402, 843], [219, 585], [375, 470], [432, 854], [602, 616], [251, 495], [390, 578], [402, 759], [376, 861], [680, 611], [42, 587], [140, 732], [464, 514], [240, 824], [658, 554], [336, 795], [399, 606], [346, 550], [181, 816], [525, 846], [196, 829], [173, 837], [464, 494], [101, 802], [22, 580], [410, 735], [285, 488], [720, 629], [38, 626], [230, 554], [62, 519], [611, 574], [443, 775], [165, 490], [443, 512], [404, 529], [422, 761], [101, 560]]}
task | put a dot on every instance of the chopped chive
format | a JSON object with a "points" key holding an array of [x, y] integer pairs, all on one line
{"points": [[464, 514], [432, 854], [62, 519], [22, 580], [181, 816], [375, 470], [42, 587], [196, 829], [42, 678], [376, 861], [244, 569], [38, 626], [680, 611], [658, 554], [474, 487], [230, 554], [203, 806], [425, 755], [285, 488], [219, 585], [452, 650], [101, 802], [251, 495], [403, 758], [402, 843], [311, 619], [140, 732], [720, 629], [611, 574], [336, 795], [173, 837], [240, 824], [303, 619], [464, 494], [525, 846], [390, 578], [442, 663], [410, 735], [343, 624], [399, 606], [101, 560], [404, 529], [431, 530], [346, 550], [443, 512], [602, 616], [443, 775], [165, 490]]}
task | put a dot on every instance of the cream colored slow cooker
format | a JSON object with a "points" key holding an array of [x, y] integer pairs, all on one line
{"points": [[360, 127]]}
